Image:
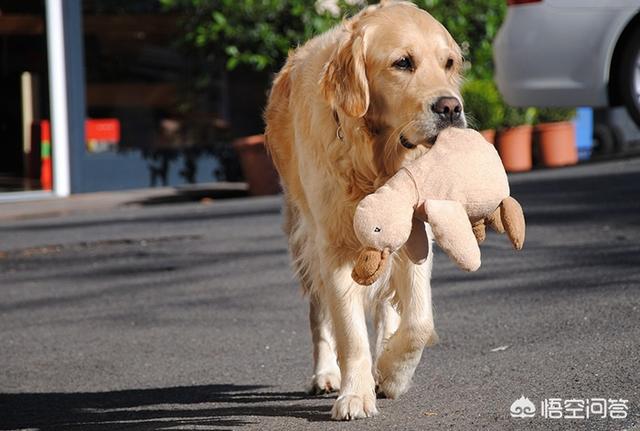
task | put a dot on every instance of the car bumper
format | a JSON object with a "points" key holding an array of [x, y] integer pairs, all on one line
{"points": [[547, 55]]}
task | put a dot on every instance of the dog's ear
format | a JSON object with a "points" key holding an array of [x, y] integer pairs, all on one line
{"points": [[344, 80]]}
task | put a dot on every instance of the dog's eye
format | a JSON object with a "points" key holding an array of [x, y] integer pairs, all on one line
{"points": [[404, 63], [449, 64]]}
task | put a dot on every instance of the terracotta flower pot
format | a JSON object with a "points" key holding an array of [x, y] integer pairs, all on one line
{"points": [[557, 143], [514, 147], [489, 135], [257, 166]]}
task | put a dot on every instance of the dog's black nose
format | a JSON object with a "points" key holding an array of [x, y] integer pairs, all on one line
{"points": [[448, 108]]}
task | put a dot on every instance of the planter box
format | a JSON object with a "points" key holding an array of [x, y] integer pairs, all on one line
{"points": [[257, 166], [515, 148], [489, 135], [557, 142]]}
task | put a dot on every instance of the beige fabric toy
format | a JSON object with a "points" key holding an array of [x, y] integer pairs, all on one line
{"points": [[458, 187]]}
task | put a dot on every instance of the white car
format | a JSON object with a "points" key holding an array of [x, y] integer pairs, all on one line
{"points": [[570, 53]]}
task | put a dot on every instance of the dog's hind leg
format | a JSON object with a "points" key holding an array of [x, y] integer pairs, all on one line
{"points": [[386, 321], [326, 374], [401, 354]]}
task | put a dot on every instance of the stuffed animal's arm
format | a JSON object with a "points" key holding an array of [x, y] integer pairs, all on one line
{"points": [[417, 246], [453, 232]]}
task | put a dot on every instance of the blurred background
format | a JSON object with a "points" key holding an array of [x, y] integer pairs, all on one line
{"points": [[170, 92]]}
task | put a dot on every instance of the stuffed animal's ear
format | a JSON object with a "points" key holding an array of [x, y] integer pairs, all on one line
{"points": [[344, 81], [453, 232], [512, 218]]}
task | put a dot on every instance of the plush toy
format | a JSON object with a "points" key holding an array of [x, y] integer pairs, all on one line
{"points": [[458, 187]]}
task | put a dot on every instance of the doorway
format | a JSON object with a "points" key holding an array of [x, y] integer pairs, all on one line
{"points": [[24, 102]]}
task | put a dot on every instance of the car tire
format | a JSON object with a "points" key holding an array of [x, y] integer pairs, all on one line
{"points": [[619, 138], [603, 140], [629, 76]]}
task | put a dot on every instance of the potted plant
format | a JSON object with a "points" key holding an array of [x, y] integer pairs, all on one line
{"points": [[555, 137], [514, 140], [483, 107], [259, 172]]}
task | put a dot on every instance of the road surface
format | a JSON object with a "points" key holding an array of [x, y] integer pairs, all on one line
{"points": [[186, 316]]}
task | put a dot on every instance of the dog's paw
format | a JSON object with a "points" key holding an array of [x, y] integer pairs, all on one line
{"points": [[393, 375], [351, 406], [324, 383]]}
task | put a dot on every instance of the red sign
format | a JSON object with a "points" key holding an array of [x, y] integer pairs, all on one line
{"points": [[104, 129]]}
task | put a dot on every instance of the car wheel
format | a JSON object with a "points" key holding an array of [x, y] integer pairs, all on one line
{"points": [[629, 76], [603, 140]]}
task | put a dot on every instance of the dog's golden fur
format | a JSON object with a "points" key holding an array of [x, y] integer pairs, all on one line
{"points": [[335, 117]]}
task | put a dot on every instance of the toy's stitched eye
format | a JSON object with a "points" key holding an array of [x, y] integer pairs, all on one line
{"points": [[404, 63], [377, 229], [449, 64]]}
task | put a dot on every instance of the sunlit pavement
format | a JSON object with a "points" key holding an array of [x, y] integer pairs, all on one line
{"points": [[186, 316]]}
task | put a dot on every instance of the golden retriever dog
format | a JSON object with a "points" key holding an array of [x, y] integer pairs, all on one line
{"points": [[346, 111]]}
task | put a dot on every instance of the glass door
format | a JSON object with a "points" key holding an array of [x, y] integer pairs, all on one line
{"points": [[148, 122], [25, 144]]}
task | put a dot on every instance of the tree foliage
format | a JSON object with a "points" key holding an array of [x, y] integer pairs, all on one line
{"points": [[261, 32], [473, 24], [258, 33], [483, 105]]}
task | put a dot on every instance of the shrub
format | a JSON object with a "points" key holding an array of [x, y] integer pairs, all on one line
{"points": [[553, 115], [482, 103], [516, 116]]}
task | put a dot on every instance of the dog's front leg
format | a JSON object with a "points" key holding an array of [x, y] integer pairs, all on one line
{"points": [[357, 397], [326, 374], [401, 354]]}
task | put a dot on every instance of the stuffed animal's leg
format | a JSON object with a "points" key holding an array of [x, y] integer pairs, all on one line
{"points": [[495, 221], [480, 231], [513, 221], [453, 232], [509, 218]]}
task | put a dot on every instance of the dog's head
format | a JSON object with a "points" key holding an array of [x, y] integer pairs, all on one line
{"points": [[398, 69]]}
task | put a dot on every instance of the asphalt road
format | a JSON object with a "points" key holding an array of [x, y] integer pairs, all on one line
{"points": [[186, 316]]}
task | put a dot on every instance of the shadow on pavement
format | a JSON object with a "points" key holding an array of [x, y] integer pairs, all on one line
{"points": [[194, 195], [236, 214], [604, 198], [208, 407]]}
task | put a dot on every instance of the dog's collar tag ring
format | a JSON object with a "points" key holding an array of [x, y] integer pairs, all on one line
{"points": [[339, 131]]}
